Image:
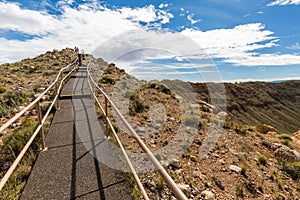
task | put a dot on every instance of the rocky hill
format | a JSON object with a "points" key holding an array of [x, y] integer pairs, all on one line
{"points": [[250, 160], [255, 154], [252, 103], [20, 83]]}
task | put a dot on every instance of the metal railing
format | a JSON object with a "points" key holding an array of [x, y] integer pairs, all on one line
{"points": [[167, 178], [57, 84]]}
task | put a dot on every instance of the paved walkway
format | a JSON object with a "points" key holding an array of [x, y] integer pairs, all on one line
{"points": [[70, 168]]}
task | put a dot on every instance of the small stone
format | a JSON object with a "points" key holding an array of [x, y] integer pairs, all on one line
{"points": [[219, 183], [198, 141], [222, 161], [206, 194], [172, 119], [185, 189], [216, 155], [152, 189], [193, 159], [175, 164], [235, 169], [195, 192], [1, 143]]}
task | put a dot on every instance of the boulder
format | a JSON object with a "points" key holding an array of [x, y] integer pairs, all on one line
{"points": [[264, 128], [175, 164], [235, 168], [207, 194], [286, 153]]}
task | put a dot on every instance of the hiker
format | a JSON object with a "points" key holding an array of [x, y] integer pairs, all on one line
{"points": [[76, 49]]}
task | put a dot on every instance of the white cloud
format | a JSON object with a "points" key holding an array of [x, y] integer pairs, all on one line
{"points": [[193, 21], [239, 45], [86, 27], [161, 6], [284, 2], [25, 21], [89, 27], [146, 14], [296, 46]]}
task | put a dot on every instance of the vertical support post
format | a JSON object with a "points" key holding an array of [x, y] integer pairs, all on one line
{"points": [[106, 117], [79, 59], [39, 112], [56, 93]]}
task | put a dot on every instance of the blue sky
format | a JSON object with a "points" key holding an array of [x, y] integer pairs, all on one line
{"points": [[193, 40]]}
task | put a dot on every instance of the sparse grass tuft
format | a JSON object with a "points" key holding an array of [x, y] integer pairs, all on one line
{"points": [[262, 160], [293, 169], [239, 190]]}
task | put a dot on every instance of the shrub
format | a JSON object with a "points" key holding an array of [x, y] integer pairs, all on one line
{"points": [[136, 105], [239, 191], [266, 143], [285, 137], [262, 160], [107, 80], [191, 121], [293, 169], [2, 90]]}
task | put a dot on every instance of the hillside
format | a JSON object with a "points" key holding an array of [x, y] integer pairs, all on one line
{"points": [[252, 103], [20, 83], [247, 161]]}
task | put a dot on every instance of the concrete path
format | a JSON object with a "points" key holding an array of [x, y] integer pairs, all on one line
{"points": [[70, 168]]}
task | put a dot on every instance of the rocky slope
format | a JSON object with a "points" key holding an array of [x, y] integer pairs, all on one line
{"points": [[277, 104], [250, 160]]}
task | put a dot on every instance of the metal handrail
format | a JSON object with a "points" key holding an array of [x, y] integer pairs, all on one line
{"points": [[41, 120], [108, 122], [167, 178]]}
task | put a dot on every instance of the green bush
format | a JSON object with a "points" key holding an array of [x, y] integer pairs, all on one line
{"points": [[239, 191], [262, 160], [107, 80], [2, 90], [266, 143], [136, 105], [285, 137], [293, 169]]}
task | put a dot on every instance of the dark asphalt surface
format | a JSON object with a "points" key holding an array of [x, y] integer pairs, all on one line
{"points": [[70, 168]]}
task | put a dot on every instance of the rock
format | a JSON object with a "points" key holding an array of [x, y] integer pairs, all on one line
{"points": [[42, 89], [193, 158], [287, 153], [1, 143], [221, 115], [222, 161], [235, 168], [172, 119], [263, 128], [206, 194], [219, 183], [140, 130], [175, 164], [275, 146], [197, 141], [195, 192], [186, 189]]}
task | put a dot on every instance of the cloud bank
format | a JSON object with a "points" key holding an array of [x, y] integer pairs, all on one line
{"points": [[284, 2], [89, 26]]}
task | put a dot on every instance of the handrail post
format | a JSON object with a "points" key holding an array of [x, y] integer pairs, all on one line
{"points": [[40, 117], [106, 117], [56, 93]]}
